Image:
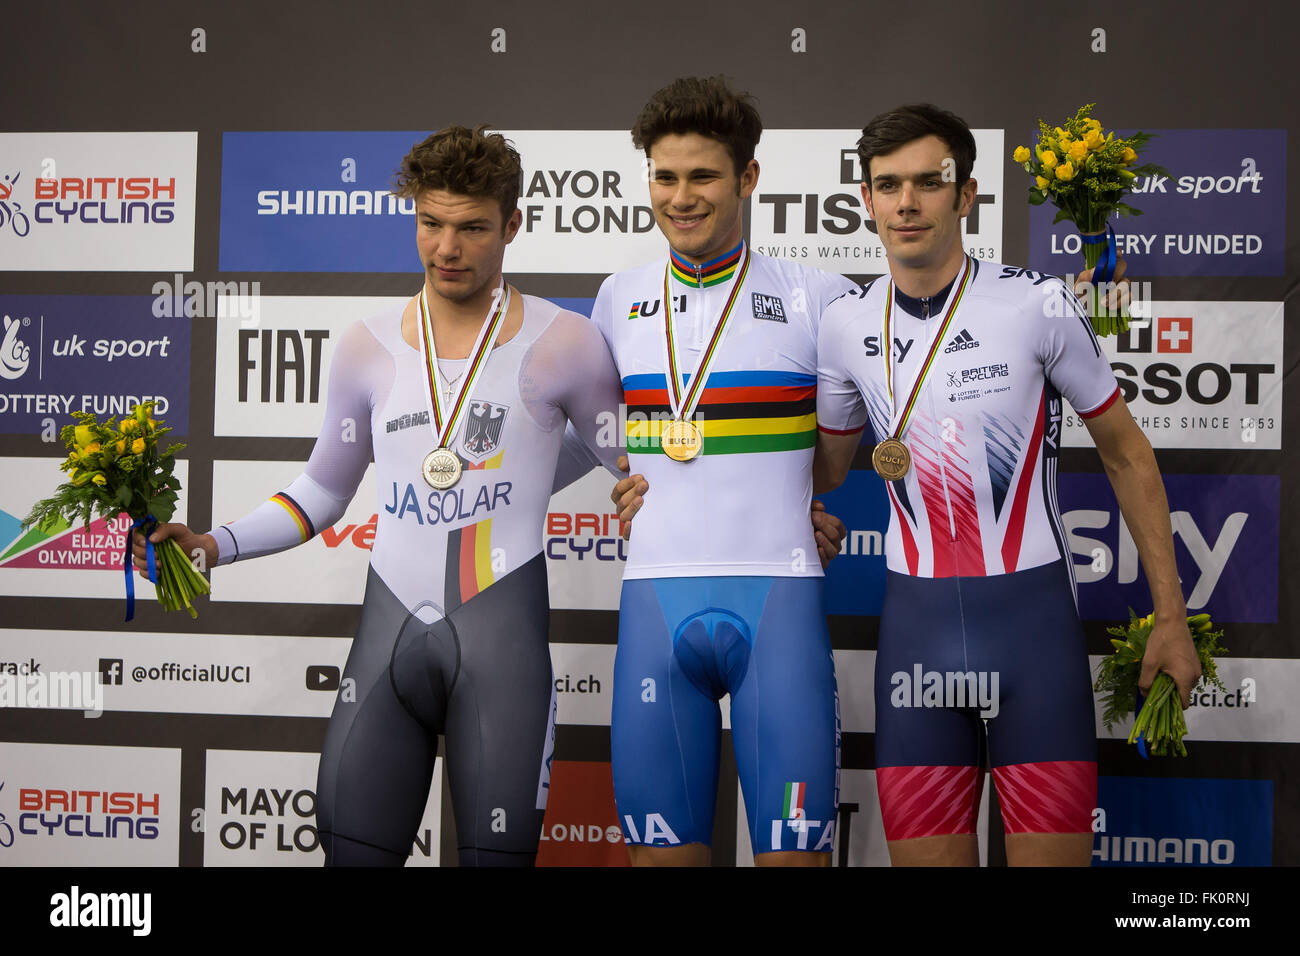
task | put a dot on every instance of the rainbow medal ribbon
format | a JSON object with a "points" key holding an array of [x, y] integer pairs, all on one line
{"points": [[681, 439], [442, 466], [891, 459]]}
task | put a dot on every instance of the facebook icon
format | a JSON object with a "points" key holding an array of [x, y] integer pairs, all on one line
{"points": [[110, 670]]}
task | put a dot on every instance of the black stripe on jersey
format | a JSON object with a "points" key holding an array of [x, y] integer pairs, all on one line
{"points": [[1051, 457], [1082, 316], [311, 528], [900, 489], [451, 591], [860, 291], [234, 540], [732, 410]]}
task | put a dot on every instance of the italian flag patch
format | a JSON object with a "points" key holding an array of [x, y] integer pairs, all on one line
{"points": [[794, 794]]}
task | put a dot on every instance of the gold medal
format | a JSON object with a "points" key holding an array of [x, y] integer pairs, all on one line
{"points": [[891, 459], [441, 468], [680, 440]]}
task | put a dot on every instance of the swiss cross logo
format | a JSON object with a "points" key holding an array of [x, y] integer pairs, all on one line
{"points": [[1174, 334]]}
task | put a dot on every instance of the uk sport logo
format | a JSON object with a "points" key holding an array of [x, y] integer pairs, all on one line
{"points": [[14, 354]]}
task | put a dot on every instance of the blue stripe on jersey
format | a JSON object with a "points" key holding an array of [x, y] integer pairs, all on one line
{"points": [[725, 380], [1001, 452]]}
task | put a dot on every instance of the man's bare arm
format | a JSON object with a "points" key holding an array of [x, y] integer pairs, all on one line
{"points": [[832, 459], [1131, 467]]}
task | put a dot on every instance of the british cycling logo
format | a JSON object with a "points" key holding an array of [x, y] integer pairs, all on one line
{"points": [[15, 355], [11, 211], [6, 831]]}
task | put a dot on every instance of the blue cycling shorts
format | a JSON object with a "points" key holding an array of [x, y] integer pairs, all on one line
{"points": [[685, 642]]}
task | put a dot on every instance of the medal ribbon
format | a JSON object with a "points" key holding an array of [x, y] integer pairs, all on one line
{"points": [[444, 421], [900, 421], [684, 406]]}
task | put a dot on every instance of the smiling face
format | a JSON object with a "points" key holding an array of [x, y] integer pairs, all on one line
{"points": [[461, 241], [698, 199], [917, 209]]}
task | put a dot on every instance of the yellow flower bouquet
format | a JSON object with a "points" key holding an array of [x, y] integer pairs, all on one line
{"points": [[115, 467], [1085, 173]]}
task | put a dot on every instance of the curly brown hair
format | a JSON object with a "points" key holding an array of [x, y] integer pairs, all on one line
{"points": [[464, 161], [704, 105]]}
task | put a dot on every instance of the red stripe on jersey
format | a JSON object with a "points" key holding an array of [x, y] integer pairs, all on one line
{"points": [[968, 549], [1056, 796], [836, 431], [936, 509], [1016, 522], [468, 567], [909, 543], [1103, 406], [727, 396], [928, 801]]}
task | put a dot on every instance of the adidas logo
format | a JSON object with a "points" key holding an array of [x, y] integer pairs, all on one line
{"points": [[963, 341]]}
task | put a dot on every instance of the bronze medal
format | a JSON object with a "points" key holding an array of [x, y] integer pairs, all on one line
{"points": [[681, 440], [891, 459], [441, 468]]}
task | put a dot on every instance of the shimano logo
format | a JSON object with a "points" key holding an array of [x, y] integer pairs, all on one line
{"points": [[963, 341]]}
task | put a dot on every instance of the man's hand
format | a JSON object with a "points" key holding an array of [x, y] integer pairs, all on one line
{"points": [[1170, 649], [829, 532], [1118, 295], [187, 539], [627, 497]]}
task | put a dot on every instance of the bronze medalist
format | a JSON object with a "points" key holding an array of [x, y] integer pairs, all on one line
{"points": [[891, 459], [680, 440], [441, 469]]}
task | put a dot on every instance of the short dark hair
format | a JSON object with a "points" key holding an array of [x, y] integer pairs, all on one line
{"points": [[704, 105], [888, 131], [470, 162]]}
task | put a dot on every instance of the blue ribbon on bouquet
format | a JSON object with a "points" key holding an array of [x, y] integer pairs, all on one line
{"points": [[1141, 743], [1104, 270], [129, 568]]}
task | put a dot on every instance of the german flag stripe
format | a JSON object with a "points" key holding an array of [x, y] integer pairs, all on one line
{"points": [[297, 513]]}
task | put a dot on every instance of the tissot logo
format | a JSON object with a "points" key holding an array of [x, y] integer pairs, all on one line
{"points": [[768, 307], [1173, 334]]}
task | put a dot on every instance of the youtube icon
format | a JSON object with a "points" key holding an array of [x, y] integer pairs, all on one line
{"points": [[322, 677]]}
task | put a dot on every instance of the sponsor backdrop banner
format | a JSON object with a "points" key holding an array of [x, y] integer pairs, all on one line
{"points": [[97, 202], [260, 810], [89, 806], [808, 206], [1220, 212], [65, 561], [1199, 375], [271, 373], [99, 354], [205, 240]]}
